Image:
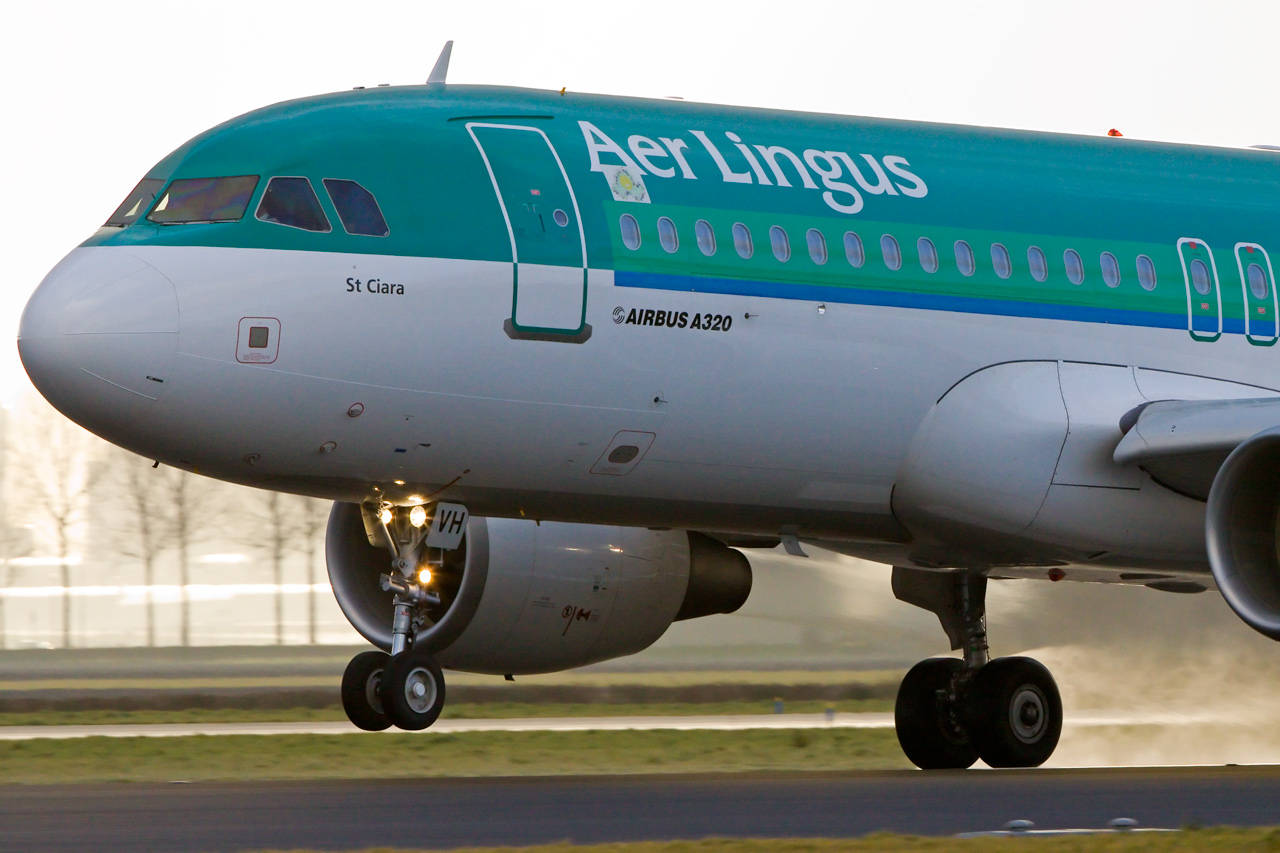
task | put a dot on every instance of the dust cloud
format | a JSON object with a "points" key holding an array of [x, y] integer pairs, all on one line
{"points": [[1147, 677]]}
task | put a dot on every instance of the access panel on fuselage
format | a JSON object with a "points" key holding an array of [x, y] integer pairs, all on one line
{"points": [[548, 249]]}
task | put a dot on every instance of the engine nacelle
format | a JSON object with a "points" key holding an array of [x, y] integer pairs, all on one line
{"points": [[525, 597], [1241, 529]]}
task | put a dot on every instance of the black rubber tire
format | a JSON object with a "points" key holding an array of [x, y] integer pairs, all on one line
{"points": [[1014, 712], [406, 708], [360, 691], [923, 720]]}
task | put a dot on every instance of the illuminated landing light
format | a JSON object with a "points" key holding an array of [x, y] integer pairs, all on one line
{"points": [[417, 516], [398, 482], [424, 575], [615, 549], [384, 516]]}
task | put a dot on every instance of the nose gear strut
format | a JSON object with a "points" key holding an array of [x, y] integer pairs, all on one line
{"points": [[406, 688]]}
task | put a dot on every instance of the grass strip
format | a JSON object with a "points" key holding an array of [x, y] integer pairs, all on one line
{"points": [[360, 756], [1188, 841], [461, 710]]}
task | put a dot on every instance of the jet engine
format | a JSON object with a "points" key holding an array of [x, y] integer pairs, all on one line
{"points": [[525, 597], [1241, 531]]}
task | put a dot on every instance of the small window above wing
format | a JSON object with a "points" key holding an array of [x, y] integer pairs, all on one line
{"points": [[357, 208], [292, 202]]}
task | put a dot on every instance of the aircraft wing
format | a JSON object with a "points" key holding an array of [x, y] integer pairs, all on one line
{"points": [[1183, 443]]}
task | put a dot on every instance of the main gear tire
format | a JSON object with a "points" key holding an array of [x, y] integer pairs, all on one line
{"points": [[925, 717]]}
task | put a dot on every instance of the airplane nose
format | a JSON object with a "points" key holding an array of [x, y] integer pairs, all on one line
{"points": [[98, 336]]}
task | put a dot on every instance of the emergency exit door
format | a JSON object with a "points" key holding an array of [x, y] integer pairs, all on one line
{"points": [[1257, 283], [544, 225], [1204, 296]]}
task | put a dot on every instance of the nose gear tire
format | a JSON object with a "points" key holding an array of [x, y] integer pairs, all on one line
{"points": [[412, 690], [1014, 712], [360, 691], [925, 717]]}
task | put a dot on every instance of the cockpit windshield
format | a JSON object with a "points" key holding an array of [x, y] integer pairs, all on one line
{"points": [[204, 200], [136, 203]]}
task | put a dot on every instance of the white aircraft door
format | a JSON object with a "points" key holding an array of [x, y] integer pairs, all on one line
{"points": [[548, 247]]}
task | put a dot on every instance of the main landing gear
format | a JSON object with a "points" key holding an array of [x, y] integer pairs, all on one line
{"points": [[950, 712], [405, 688]]}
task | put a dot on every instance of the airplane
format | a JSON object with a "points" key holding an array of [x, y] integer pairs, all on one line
{"points": [[559, 359]]}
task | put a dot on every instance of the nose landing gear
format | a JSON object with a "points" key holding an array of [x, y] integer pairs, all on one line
{"points": [[405, 688], [951, 712]]}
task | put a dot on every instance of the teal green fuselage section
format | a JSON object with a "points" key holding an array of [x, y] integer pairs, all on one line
{"points": [[762, 169]]}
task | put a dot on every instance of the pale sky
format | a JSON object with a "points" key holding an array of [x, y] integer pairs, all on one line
{"points": [[98, 92]]}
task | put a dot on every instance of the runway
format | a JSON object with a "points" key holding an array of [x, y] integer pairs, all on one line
{"points": [[458, 812], [719, 722]]}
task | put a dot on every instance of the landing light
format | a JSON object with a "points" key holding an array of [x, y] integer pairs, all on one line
{"points": [[424, 575], [417, 516], [384, 516]]}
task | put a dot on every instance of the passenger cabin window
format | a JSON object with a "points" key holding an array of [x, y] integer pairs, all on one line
{"points": [[1257, 281], [136, 202], [705, 236], [1200, 277], [890, 251], [1000, 260], [779, 243], [667, 235], [1075, 266], [190, 200], [853, 251], [965, 261], [630, 231], [1038, 263], [1110, 269], [359, 211], [1146, 273], [817, 246], [742, 240], [928, 255], [292, 202]]}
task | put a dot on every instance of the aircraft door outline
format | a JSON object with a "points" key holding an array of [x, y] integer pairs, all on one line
{"points": [[540, 210], [1204, 309], [1261, 326]]}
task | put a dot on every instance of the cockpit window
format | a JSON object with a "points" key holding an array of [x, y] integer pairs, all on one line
{"points": [[136, 202], [292, 202], [204, 200], [357, 208]]}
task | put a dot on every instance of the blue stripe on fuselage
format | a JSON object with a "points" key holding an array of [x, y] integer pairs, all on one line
{"points": [[920, 301]]}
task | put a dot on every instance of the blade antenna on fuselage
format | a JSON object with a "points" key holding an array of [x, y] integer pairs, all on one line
{"points": [[441, 69]]}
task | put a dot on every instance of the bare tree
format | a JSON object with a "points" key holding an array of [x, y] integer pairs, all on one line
{"points": [[53, 472], [189, 498], [312, 516], [279, 526], [139, 531]]}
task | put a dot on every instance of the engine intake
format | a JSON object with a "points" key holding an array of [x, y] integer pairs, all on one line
{"points": [[1241, 531], [523, 597]]}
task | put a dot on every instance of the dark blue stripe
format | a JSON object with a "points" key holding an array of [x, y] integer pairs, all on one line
{"points": [[898, 299]]}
